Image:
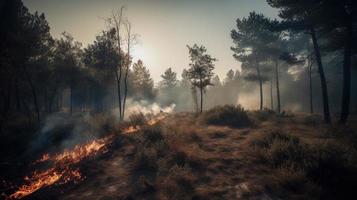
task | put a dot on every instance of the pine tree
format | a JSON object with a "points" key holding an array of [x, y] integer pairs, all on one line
{"points": [[201, 69]]}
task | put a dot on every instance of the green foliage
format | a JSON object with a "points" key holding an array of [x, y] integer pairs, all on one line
{"points": [[143, 85], [201, 67], [169, 79], [228, 115], [102, 56]]}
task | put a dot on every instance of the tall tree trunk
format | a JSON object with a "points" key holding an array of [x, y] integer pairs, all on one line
{"points": [[260, 86], [127, 67], [118, 78], [34, 94], [310, 86], [271, 95], [125, 89], [71, 99], [6, 107], [277, 84], [346, 90], [60, 98], [52, 99], [201, 94], [118, 22], [194, 96], [45, 110], [327, 116], [17, 94]]}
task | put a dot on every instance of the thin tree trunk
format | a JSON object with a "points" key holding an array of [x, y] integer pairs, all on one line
{"points": [[271, 95], [194, 95], [260, 86], [6, 107], [201, 93], [125, 90], [127, 68], [71, 99], [310, 86], [346, 90], [34, 94], [52, 99], [118, 22], [60, 98], [118, 77], [17, 94], [327, 116], [27, 109], [277, 84], [45, 101]]}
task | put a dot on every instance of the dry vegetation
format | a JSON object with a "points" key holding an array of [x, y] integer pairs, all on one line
{"points": [[186, 157]]}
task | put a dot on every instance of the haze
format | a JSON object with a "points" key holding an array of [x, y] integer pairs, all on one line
{"points": [[164, 26]]}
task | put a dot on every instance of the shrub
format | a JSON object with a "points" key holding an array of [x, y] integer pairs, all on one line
{"points": [[145, 160], [152, 134], [334, 167], [177, 184], [278, 149], [312, 120], [229, 115], [137, 119], [265, 114], [329, 165]]}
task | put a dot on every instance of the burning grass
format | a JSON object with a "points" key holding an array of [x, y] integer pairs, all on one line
{"points": [[62, 170], [45, 178], [174, 157], [63, 165]]}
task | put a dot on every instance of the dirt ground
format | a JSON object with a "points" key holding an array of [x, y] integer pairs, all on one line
{"points": [[218, 163]]}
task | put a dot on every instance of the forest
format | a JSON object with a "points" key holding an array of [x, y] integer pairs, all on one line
{"points": [[90, 121]]}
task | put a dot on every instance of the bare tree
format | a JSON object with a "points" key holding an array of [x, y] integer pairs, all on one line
{"points": [[115, 22], [131, 40]]}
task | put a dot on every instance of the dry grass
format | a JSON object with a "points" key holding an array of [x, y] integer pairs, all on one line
{"points": [[280, 157], [326, 167]]}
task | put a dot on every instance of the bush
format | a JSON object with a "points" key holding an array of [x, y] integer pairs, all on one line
{"points": [[265, 114], [329, 165], [278, 149], [312, 120], [177, 184], [145, 160], [152, 134], [229, 115], [137, 119], [334, 167]]}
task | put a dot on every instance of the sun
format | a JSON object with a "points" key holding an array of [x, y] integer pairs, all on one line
{"points": [[138, 53]]}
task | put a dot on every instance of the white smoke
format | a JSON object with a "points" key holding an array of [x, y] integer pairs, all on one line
{"points": [[144, 107]]}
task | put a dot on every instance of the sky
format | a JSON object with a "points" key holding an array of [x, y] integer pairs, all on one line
{"points": [[164, 27]]}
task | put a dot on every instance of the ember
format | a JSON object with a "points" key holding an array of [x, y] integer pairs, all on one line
{"points": [[46, 178], [61, 172], [151, 122]]}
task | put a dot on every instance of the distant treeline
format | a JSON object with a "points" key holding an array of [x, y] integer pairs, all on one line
{"points": [[302, 62]]}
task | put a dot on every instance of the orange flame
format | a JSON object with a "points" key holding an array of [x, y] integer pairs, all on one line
{"points": [[61, 171], [151, 122], [46, 178]]}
